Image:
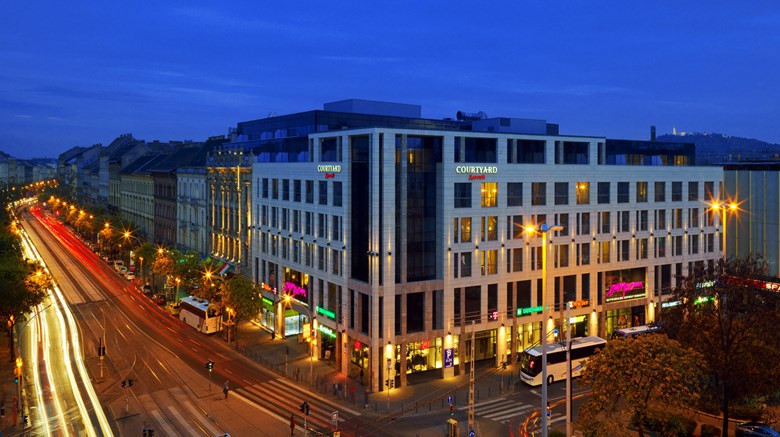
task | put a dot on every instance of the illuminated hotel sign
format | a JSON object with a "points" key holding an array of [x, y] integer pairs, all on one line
{"points": [[329, 170], [624, 291], [529, 310], [580, 303], [476, 171]]}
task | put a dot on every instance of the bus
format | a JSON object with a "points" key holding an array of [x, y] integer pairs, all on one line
{"points": [[581, 349], [200, 314], [634, 331]]}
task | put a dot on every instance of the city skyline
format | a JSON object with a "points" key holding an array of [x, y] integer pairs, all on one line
{"points": [[74, 75]]}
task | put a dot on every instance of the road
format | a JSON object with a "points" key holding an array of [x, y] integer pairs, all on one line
{"points": [[172, 392]]}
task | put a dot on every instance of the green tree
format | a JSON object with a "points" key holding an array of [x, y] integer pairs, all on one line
{"points": [[637, 380], [240, 295], [188, 267], [731, 319]]}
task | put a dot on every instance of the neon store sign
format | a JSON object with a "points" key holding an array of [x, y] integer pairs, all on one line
{"points": [[293, 289], [624, 291]]}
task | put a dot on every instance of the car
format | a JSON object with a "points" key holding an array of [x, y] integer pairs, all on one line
{"points": [[173, 308], [130, 276], [147, 289], [159, 299], [118, 263], [122, 270], [751, 429]]}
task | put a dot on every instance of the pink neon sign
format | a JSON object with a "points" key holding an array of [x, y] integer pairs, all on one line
{"points": [[293, 289], [623, 288]]}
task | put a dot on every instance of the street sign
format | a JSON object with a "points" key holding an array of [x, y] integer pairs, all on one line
{"points": [[449, 399], [472, 433], [334, 416], [449, 357]]}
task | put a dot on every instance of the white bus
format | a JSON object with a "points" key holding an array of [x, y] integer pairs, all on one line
{"points": [[634, 331], [200, 314], [581, 349]]}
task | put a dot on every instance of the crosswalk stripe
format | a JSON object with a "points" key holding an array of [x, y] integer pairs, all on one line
{"points": [[503, 414], [182, 421], [204, 421], [158, 417], [493, 401]]}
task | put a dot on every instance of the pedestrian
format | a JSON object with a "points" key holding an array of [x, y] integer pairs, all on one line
{"points": [[297, 373], [335, 388], [361, 375], [225, 389], [273, 334]]}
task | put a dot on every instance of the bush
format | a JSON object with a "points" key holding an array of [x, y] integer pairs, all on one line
{"points": [[710, 431], [671, 426]]}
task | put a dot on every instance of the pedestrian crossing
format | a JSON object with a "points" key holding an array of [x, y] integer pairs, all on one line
{"points": [[172, 413], [505, 410]]}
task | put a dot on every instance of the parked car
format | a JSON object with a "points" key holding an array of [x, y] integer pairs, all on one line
{"points": [[147, 290], [130, 276], [173, 308], [751, 429], [159, 299], [118, 263], [122, 270]]}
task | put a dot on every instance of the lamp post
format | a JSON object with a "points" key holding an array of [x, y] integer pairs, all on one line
{"points": [[544, 229], [142, 268], [723, 208], [312, 341]]}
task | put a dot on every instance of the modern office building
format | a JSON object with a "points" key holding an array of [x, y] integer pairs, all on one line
{"points": [[405, 238], [754, 228]]}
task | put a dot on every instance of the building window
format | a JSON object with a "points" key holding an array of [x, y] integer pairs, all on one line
{"points": [[538, 193], [489, 228], [624, 221], [489, 194], [274, 188], [323, 197], [285, 189], [693, 191], [465, 229], [641, 192], [660, 219], [603, 195], [265, 188], [604, 252], [583, 223], [660, 191], [335, 256], [678, 218], [583, 254], [335, 228], [274, 217], [561, 255], [561, 193], [515, 227], [623, 246], [465, 265], [489, 264], [309, 191], [462, 195], [605, 227], [693, 218], [337, 193], [678, 244], [514, 194], [641, 248], [660, 247], [622, 194], [583, 193], [693, 245], [530, 151], [309, 220], [676, 191], [297, 190], [517, 259], [641, 220], [709, 190]]}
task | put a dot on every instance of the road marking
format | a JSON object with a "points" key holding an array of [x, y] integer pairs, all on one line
{"points": [[160, 419], [205, 422], [483, 404], [182, 421]]}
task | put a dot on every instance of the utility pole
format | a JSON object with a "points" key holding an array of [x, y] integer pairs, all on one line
{"points": [[568, 369]]}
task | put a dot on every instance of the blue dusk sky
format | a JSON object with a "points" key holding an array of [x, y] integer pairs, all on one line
{"points": [[75, 73]]}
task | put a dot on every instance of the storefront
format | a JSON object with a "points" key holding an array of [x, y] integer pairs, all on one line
{"points": [[626, 287]]}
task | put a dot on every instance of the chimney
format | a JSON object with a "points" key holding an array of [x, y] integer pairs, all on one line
{"points": [[652, 133]]}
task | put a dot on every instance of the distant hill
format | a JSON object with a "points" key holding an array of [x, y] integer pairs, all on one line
{"points": [[715, 148]]}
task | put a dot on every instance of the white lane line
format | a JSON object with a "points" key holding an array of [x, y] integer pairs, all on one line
{"points": [[204, 421], [483, 403], [182, 421], [163, 422]]}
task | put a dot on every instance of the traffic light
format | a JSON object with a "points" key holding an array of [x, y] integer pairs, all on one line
{"points": [[16, 380], [452, 410], [124, 383], [129, 382], [209, 365]]}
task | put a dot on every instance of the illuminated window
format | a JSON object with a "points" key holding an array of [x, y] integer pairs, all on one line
{"points": [[641, 192], [489, 264], [489, 194], [583, 193], [489, 228], [465, 229]]}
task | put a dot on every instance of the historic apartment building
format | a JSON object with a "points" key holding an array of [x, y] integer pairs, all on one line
{"points": [[400, 242]]}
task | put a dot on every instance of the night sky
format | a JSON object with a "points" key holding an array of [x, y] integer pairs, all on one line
{"points": [[80, 73]]}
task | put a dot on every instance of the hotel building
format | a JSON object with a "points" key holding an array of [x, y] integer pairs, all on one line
{"points": [[405, 237]]}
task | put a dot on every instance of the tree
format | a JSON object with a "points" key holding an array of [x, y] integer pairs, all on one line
{"points": [[240, 294], [637, 380], [729, 316]]}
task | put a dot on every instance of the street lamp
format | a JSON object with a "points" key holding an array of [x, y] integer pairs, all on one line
{"points": [[723, 208], [544, 229]]}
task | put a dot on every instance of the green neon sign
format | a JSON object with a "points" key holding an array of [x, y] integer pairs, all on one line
{"points": [[703, 299], [327, 313], [327, 331], [268, 301], [529, 310]]}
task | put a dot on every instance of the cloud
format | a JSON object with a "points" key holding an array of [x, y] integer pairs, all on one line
{"points": [[217, 18]]}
